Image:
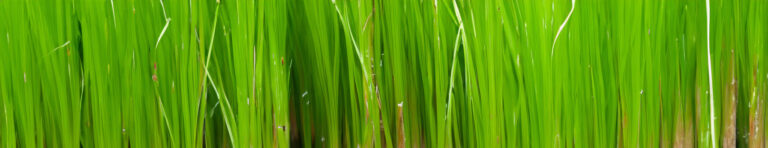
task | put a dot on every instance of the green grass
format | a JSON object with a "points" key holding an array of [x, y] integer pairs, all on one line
{"points": [[383, 73]]}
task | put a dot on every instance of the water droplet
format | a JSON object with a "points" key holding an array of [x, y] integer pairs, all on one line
{"points": [[641, 91], [304, 94], [400, 104], [25, 77]]}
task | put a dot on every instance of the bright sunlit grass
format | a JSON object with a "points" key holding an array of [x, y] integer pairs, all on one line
{"points": [[383, 73]]}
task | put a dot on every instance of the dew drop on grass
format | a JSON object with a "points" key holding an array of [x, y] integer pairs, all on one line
{"points": [[525, 24], [514, 118], [304, 94], [25, 77]]}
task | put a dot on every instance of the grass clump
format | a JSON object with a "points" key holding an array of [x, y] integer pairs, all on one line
{"points": [[383, 73]]}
